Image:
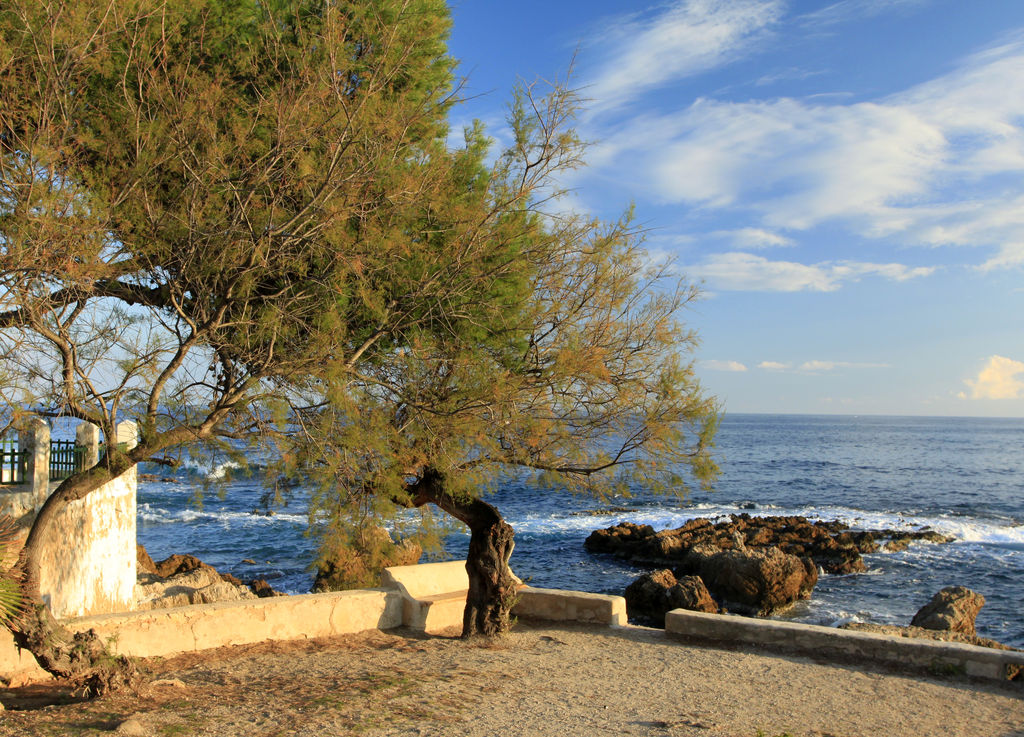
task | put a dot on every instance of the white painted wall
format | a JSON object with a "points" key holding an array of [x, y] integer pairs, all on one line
{"points": [[90, 565]]}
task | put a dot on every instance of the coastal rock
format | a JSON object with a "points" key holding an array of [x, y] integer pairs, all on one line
{"points": [[176, 564], [925, 634], [753, 580], [262, 589], [198, 584], [143, 563], [954, 608], [831, 545], [655, 594]]}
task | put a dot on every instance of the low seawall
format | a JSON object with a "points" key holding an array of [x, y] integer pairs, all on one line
{"points": [[164, 632], [937, 658]]}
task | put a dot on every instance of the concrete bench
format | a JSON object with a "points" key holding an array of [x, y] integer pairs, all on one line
{"points": [[433, 594], [434, 599]]}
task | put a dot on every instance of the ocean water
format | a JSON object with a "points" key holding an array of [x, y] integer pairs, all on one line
{"points": [[963, 477]]}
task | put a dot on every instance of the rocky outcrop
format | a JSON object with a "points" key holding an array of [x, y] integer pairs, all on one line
{"points": [[143, 563], [653, 595], [181, 580], [832, 546], [948, 617], [953, 609], [752, 580], [199, 586], [176, 564], [262, 589]]}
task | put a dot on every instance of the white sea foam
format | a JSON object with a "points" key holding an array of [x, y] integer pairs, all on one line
{"points": [[159, 515], [964, 529]]}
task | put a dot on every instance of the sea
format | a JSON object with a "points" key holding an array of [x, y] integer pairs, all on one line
{"points": [[963, 477]]}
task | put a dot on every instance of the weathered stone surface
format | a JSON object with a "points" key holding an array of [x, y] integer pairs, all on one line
{"points": [[132, 728], [262, 589], [653, 595], [921, 633], [201, 585], [176, 564], [954, 609], [144, 564], [752, 580], [831, 545]]}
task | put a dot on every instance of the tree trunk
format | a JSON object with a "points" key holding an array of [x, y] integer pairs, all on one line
{"points": [[492, 587], [81, 658]]}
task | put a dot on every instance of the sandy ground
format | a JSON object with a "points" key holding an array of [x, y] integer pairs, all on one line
{"points": [[540, 680]]}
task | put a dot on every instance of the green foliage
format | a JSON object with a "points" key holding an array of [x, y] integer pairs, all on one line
{"points": [[571, 361], [355, 556], [12, 597]]}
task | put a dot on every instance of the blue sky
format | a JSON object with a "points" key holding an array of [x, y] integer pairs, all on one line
{"points": [[845, 178]]}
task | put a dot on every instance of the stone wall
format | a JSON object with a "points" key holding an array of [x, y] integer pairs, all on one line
{"points": [[89, 565]]}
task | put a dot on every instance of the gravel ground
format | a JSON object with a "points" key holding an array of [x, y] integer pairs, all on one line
{"points": [[562, 681]]}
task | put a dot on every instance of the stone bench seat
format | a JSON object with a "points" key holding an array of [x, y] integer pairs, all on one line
{"points": [[433, 594], [434, 599]]}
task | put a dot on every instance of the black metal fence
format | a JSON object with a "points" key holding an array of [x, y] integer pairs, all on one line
{"points": [[12, 462], [66, 458]]}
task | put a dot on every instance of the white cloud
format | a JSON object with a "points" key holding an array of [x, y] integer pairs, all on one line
{"points": [[753, 238], [714, 365], [930, 166], [998, 379], [739, 271], [692, 36], [774, 366], [816, 366], [847, 10]]}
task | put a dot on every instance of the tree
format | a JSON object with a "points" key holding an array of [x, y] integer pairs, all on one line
{"points": [[204, 204], [583, 377], [241, 221]]}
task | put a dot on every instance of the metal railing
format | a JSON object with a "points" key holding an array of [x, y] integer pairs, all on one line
{"points": [[66, 458], [12, 462]]}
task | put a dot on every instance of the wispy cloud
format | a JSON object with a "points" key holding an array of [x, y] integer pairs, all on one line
{"points": [[690, 37], [715, 365], [739, 271], [934, 165], [753, 238], [819, 366], [847, 10], [999, 378]]}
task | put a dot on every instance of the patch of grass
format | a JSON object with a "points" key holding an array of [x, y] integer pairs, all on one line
{"points": [[173, 730], [945, 668]]}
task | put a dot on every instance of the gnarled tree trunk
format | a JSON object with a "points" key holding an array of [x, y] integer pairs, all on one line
{"points": [[81, 658], [492, 587]]}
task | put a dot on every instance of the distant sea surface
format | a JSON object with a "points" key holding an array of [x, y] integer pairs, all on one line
{"points": [[963, 477]]}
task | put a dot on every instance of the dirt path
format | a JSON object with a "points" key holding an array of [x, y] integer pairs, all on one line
{"points": [[541, 680]]}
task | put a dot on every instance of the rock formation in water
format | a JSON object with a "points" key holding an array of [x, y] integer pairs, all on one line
{"points": [[948, 617], [954, 608], [650, 597], [751, 565], [180, 580], [833, 546]]}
